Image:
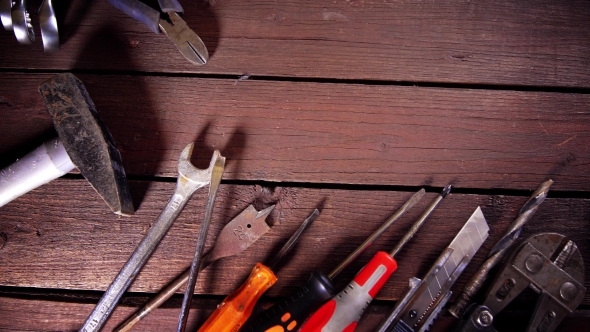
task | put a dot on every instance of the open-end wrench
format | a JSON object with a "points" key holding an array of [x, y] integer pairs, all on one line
{"points": [[235, 237], [189, 180]]}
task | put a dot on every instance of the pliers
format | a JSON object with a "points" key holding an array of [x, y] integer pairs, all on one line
{"points": [[548, 263], [186, 40]]}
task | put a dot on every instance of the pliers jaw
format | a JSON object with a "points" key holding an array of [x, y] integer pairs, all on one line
{"points": [[186, 40]]}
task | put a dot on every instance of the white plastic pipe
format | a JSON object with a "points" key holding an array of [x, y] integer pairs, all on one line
{"points": [[47, 162]]}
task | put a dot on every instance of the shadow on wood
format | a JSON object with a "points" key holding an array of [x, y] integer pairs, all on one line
{"points": [[148, 117]]}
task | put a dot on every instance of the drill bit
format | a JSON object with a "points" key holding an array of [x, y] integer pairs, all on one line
{"points": [[501, 247]]}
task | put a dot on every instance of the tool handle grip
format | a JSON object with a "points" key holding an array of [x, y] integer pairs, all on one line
{"points": [[139, 11], [47, 162], [236, 308], [292, 312], [343, 312]]}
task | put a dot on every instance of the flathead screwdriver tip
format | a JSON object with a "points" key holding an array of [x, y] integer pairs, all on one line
{"points": [[408, 236], [416, 197]]}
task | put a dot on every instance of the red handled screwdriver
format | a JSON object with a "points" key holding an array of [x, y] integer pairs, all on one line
{"points": [[344, 310], [289, 314]]}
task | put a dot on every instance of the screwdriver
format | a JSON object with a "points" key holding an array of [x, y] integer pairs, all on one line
{"points": [[288, 314], [235, 237], [344, 310], [236, 308]]}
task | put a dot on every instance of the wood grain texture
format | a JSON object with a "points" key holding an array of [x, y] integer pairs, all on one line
{"points": [[327, 109], [38, 315], [533, 42], [72, 241], [326, 133]]}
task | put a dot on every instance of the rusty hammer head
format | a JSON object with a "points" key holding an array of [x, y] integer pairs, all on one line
{"points": [[87, 140]]}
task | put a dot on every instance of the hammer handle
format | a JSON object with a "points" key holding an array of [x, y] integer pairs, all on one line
{"points": [[47, 162]]}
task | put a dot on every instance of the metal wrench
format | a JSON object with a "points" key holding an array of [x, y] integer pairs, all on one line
{"points": [[189, 180], [21, 22], [235, 237]]}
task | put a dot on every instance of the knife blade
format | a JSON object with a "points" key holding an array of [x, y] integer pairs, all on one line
{"points": [[417, 310]]}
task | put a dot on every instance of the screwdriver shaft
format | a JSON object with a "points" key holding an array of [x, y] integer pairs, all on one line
{"points": [[216, 175], [224, 246], [410, 234], [408, 205], [237, 307], [154, 303], [344, 310], [294, 239]]}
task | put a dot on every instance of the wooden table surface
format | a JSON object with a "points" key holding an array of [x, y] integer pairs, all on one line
{"points": [[349, 104]]}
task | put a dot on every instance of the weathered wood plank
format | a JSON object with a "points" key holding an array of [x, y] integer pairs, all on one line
{"points": [[534, 42], [62, 236], [326, 133], [37, 315]]}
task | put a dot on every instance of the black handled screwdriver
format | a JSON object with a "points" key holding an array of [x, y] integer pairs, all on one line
{"points": [[290, 313]]}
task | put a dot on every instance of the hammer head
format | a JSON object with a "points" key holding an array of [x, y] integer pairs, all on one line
{"points": [[88, 142]]}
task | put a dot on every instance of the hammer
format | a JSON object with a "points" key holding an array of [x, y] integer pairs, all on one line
{"points": [[83, 142]]}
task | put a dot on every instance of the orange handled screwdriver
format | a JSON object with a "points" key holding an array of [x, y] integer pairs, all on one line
{"points": [[236, 308], [288, 314]]}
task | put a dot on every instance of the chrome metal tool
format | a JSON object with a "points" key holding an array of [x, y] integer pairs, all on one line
{"points": [[186, 40], [500, 249], [189, 180], [425, 298], [549, 264], [15, 17], [234, 238], [48, 25], [216, 174]]}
